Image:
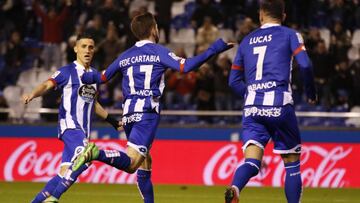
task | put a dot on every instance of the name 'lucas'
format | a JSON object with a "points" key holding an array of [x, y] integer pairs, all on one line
{"points": [[260, 39]]}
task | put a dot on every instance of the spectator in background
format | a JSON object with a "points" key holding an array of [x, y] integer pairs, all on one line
{"points": [[53, 26], [244, 27], [205, 8], [312, 40], [342, 84], [323, 69], [14, 57], [110, 47], [95, 28], [340, 42], [223, 95], [204, 91], [355, 72], [206, 34], [109, 13], [180, 86], [163, 16]]}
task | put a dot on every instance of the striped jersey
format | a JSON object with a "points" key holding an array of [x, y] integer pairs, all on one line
{"points": [[77, 100], [264, 62], [142, 67]]}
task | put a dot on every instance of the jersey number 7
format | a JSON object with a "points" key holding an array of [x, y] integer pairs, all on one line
{"points": [[260, 61]]}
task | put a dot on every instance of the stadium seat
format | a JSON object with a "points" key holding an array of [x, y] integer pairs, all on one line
{"points": [[325, 35], [354, 53], [12, 95], [356, 38], [227, 34]]}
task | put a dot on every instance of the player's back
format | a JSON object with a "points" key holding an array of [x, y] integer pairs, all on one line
{"points": [[267, 61], [143, 77]]}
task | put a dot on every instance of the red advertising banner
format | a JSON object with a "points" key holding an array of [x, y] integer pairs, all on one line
{"points": [[185, 162]]}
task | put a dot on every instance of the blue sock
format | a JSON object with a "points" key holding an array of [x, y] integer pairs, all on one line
{"points": [[115, 158], [145, 185], [66, 182], [48, 189], [247, 170], [293, 184]]}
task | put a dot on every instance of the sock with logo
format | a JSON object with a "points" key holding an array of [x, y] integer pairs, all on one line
{"points": [[145, 185], [67, 181], [293, 184], [48, 189], [243, 173], [115, 158]]}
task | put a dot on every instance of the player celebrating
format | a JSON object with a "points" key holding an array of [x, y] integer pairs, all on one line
{"points": [[142, 67], [261, 70], [75, 114]]}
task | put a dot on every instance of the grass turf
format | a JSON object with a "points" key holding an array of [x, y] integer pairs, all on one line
{"points": [[110, 193]]}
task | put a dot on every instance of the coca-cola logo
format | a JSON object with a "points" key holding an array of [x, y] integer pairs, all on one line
{"points": [[324, 173], [26, 161]]}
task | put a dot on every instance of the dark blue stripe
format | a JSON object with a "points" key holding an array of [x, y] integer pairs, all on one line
{"points": [[209, 134]]}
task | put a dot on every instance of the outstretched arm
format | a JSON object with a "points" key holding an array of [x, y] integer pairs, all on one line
{"points": [[187, 65], [102, 113], [38, 91]]}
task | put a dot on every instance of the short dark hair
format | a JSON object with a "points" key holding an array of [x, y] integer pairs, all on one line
{"points": [[273, 8], [84, 35], [142, 24]]}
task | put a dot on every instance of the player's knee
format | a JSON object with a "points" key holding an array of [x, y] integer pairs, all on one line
{"points": [[63, 170]]}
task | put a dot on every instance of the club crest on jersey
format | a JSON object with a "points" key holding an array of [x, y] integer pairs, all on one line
{"points": [[87, 93]]}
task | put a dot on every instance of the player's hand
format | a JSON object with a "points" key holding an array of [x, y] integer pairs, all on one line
{"points": [[26, 98], [220, 46], [120, 128]]}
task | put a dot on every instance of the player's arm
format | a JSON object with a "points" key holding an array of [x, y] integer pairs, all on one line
{"points": [[102, 113], [237, 75], [306, 69], [187, 65], [104, 76], [38, 91]]}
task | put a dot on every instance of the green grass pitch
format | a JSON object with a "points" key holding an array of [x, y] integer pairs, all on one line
{"points": [[111, 193]]}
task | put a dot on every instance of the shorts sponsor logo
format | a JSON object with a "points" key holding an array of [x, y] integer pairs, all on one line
{"points": [[136, 117], [266, 112], [142, 149]]}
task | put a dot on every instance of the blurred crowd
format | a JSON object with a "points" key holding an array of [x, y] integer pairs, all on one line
{"points": [[37, 37]]}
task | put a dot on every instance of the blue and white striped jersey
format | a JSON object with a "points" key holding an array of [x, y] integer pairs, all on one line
{"points": [[77, 101], [264, 62], [143, 67]]}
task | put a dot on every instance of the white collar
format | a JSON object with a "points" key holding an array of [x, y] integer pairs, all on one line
{"points": [[267, 25], [142, 42], [79, 66]]}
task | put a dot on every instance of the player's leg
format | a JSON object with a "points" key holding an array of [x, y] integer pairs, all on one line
{"points": [[74, 144], [293, 183], [46, 191], [287, 143], [144, 180], [255, 138]]}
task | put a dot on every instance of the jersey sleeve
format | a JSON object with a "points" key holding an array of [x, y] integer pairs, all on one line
{"points": [[58, 78], [299, 52], [237, 75], [110, 71], [170, 60]]}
